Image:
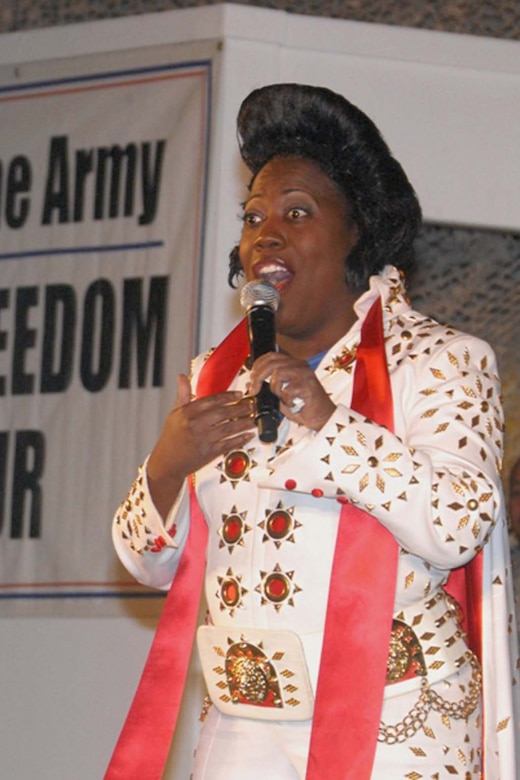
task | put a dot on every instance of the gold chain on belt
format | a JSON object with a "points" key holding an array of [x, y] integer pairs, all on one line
{"points": [[430, 700]]}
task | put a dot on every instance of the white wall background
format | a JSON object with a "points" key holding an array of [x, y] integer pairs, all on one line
{"points": [[448, 105]]}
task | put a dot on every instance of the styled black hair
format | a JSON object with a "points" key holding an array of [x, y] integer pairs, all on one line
{"points": [[314, 123]]}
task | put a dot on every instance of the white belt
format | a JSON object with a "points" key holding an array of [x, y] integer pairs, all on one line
{"points": [[256, 673]]}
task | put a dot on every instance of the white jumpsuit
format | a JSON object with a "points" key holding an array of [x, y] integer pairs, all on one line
{"points": [[272, 512]]}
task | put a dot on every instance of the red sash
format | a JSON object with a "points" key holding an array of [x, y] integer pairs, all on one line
{"points": [[361, 598], [358, 621], [142, 749]]}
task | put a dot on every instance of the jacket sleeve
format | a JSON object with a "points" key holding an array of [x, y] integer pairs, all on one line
{"points": [[148, 548], [435, 483]]}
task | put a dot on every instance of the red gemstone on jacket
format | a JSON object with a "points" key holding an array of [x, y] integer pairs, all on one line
{"points": [[232, 529], [277, 587], [236, 464], [230, 592], [279, 524]]}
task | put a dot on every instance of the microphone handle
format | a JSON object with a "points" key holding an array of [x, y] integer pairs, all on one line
{"points": [[267, 413], [262, 335], [262, 339]]}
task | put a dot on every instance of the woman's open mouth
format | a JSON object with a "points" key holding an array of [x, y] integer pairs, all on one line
{"points": [[275, 273]]}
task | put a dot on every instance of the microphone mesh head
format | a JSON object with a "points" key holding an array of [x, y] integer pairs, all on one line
{"points": [[257, 293]]}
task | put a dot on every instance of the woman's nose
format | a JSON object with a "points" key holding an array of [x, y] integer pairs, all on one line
{"points": [[270, 235]]}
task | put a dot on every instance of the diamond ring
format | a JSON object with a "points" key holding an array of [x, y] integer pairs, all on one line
{"points": [[297, 405]]}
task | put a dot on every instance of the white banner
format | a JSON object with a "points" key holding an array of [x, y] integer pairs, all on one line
{"points": [[102, 193]]}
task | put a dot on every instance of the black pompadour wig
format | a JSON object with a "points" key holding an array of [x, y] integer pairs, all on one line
{"points": [[315, 123]]}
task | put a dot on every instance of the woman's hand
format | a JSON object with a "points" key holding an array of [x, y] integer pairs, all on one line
{"points": [[293, 380], [194, 433]]}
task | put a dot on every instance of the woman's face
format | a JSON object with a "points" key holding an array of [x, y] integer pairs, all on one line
{"points": [[297, 234]]}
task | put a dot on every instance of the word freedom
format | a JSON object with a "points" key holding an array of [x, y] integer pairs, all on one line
{"points": [[73, 332], [82, 332]]}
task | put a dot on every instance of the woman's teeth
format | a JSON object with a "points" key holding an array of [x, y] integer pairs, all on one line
{"points": [[275, 274]]}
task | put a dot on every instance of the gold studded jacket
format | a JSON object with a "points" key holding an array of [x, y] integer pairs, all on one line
{"points": [[434, 483]]}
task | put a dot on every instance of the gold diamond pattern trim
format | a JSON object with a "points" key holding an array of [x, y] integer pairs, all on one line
{"points": [[393, 472], [469, 391], [453, 360], [409, 579], [351, 469], [362, 439], [350, 450]]}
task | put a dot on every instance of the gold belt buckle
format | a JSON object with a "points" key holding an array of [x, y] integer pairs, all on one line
{"points": [[256, 673], [405, 657]]}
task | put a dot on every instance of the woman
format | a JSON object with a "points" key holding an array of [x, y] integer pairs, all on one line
{"points": [[333, 649]]}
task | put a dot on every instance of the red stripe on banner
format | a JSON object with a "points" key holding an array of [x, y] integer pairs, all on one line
{"points": [[98, 87], [66, 584]]}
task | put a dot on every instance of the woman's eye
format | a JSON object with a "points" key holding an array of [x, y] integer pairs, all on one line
{"points": [[297, 213], [251, 219]]}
